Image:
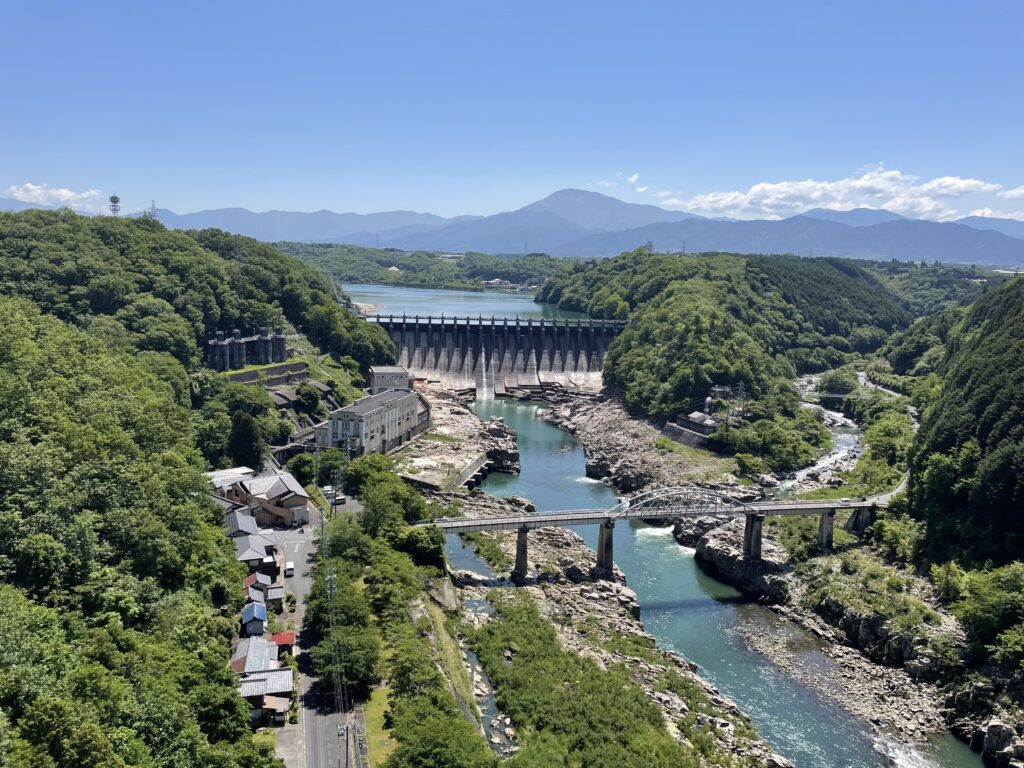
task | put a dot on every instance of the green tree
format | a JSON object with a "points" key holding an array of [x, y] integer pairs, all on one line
{"points": [[246, 444]]}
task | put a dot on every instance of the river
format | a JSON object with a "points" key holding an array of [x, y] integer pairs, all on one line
{"points": [[687, 611]]}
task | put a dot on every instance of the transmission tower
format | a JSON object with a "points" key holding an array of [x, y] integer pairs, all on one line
{"points": [[115, 205]]}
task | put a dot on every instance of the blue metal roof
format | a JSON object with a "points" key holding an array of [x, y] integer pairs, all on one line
{"points": [[254, 611]]}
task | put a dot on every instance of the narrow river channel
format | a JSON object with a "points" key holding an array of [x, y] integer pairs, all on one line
{"points": [[687, 611]]}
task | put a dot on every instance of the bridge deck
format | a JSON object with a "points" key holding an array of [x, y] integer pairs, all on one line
{"points": [[594, 516]]}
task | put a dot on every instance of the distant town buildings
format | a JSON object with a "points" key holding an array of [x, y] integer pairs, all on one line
{"points": [[236, 351], [376, 424]]}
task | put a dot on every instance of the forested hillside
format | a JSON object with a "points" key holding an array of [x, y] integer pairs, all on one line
{"points": [[968, 461], [423, 269], [704, 319], [114, 568], [139, 286], [118, 594]]}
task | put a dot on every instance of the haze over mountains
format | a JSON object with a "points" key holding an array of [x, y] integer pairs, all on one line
{"points": [[573, 222]]}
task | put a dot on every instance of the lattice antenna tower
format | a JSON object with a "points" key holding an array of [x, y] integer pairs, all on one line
{"points": [[115, 205]]}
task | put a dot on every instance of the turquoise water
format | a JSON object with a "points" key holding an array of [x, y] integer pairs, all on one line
{"points": [[392, 299], [702, 619]]}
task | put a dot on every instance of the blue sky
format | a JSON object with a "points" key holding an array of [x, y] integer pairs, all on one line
{"points": [[477, 107]]}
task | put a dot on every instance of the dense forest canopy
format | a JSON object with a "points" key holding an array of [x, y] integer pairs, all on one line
{"points": [[114, 566], [703, 319], [139, 286], [424, 269], [967, 465]]}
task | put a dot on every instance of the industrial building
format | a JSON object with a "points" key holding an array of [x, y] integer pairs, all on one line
{"points": [[385, 377], [236, 351], [376, 424]]}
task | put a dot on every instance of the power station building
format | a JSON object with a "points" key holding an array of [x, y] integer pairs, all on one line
{"points": [[376, 424], [385, 377], [236, 351]]}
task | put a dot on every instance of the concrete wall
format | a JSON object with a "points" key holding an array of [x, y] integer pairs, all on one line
{"points": [[493, 356]]}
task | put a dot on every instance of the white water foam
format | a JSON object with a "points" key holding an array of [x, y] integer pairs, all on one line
{"points": [[903, 755]]}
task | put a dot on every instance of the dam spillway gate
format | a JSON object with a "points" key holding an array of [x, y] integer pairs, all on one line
{"points": [[497, 354]]}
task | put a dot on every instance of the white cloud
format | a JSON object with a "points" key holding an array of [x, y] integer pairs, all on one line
{"points": [[988, 213], [634, 178], [635, 181], [954, 186], [605, 184], [44, 194], [874, 188], [1013, 194]]}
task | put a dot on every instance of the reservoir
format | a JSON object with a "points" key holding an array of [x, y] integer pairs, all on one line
{"points": [[687, 611]]}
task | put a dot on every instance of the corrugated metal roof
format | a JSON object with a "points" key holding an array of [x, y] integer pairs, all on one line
{"points": [[266, 683], [254, 654]]}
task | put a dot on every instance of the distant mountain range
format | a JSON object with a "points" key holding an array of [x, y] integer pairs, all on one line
{"points": [[574, 222]]}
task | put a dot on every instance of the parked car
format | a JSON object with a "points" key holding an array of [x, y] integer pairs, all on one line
{"points": [[289, 568]]}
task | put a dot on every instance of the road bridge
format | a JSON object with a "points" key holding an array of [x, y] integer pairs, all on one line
{"points": [[493, 354], [668, 504]]}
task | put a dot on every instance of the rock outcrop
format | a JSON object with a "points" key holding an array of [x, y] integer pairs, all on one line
{"points": [[720, 554]]}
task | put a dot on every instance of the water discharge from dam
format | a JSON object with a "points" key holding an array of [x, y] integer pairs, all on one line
{"points": [[686, 610]]}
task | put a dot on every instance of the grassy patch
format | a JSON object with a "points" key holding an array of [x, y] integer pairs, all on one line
{"points": [[863, 583], [379, 741], [799, 535], [437, 437], [267, 736], [450, 656], [487, 547]]}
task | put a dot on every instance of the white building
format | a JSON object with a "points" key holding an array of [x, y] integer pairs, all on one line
{"points": [[385, 377], [376, 424]]}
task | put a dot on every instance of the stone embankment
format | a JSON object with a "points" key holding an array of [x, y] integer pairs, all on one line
{"points": [[599, 619]]}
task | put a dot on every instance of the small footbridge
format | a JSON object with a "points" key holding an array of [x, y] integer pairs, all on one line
{"points": [[669, 504]]}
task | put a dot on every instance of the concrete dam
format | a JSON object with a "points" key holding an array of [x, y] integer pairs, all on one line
{"points": [[494, 355]]}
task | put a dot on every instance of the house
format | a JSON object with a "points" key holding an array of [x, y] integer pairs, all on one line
{"points": [[385, 377], [275, 598], [260, 588], [268, 692], [255, 654], [376, 424], [698, 422], [276, 500], [257, 551], [260, 581], [240, 523], [285, 642], [222, 479], [254, 619]]}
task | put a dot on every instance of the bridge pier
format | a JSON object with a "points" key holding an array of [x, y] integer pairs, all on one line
{"points": [[826, 526], [522, 566], [605, 549], [752, 537], [860, 520]]}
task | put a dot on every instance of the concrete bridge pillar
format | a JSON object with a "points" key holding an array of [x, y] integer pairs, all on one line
{"points": [[826, 526], [522, 566], [605, 548], [752, 537], [860, 520]]}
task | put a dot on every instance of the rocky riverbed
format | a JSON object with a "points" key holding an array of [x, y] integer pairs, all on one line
{"points": [[599, 619], [624, 452], [456, 444]]}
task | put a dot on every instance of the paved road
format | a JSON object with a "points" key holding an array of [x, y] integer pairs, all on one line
{"points": [[314, 742]]}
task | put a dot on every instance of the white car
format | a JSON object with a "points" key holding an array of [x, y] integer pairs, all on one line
{"points": [[289, 569]]}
